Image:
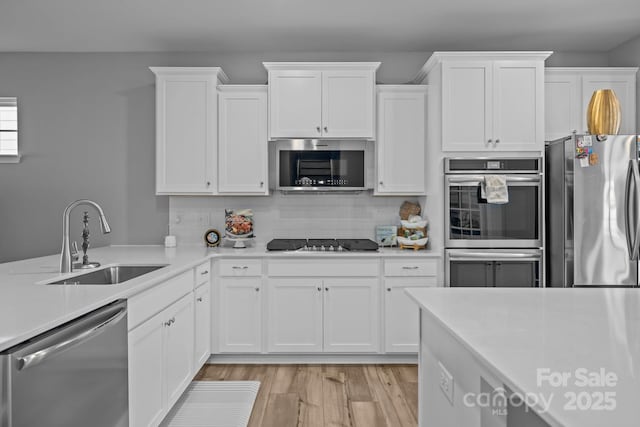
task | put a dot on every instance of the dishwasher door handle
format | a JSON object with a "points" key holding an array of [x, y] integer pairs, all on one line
{"points": [[87, 329]]}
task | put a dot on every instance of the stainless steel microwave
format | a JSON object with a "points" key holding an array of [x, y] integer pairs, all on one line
{"points": [[306, 165]]}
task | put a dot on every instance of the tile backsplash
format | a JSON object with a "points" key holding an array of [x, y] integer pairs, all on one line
{"points": [[288, 216]]}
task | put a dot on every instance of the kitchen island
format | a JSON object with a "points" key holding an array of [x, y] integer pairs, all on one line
{"points": [[529, 357]]}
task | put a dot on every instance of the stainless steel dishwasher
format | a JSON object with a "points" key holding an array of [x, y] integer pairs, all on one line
{"points": [[73, 376]]}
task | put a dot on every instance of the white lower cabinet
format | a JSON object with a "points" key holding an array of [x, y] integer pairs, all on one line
{"points": [[401, 315], [337, 315], [160, 362], [240, 302], [295, 315], [202, 326], [351, 315]]}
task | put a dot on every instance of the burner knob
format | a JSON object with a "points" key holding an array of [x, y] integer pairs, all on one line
{"points": [[322, 248], [331, 248], [314, 248], [305, 248], [340, 248]]}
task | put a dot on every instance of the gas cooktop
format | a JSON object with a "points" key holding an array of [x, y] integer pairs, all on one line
{"points": [[322, 245]]}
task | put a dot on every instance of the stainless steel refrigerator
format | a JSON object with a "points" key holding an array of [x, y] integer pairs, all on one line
{"points": [[592, 211]]}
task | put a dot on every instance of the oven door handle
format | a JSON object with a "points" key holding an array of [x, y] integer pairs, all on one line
{"points": [[59, 342], [476, 179], [494, 256]]}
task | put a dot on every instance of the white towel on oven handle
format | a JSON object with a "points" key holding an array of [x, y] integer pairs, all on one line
{"points": [[494, 189]]}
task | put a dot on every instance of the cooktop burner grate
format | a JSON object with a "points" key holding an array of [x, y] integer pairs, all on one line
{"points": [[322, 245]]}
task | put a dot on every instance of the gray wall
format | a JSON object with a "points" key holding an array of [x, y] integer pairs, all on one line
{"points": [[628, 55], [87, 130]]}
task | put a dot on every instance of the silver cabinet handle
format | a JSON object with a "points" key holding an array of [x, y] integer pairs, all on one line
{"points": [[381, 183], [167, 323], [388, 289], [404, 267], [261, 183], [37, 356], [326, 129], [257, 289], [319, 289], [326, 289], [490, 141], [497, 141], [208, 183], [199, 299], [318, 129], [237, 267], [204, 272]]}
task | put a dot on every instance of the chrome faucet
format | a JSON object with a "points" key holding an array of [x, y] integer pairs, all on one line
{"points": [[66, 265]]}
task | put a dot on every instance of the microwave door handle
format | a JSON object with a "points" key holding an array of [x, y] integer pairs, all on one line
{"points": [[627, 204]]}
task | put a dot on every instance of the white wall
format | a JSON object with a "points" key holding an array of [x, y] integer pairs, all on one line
{"points": [[87, 130], [628, 55]]}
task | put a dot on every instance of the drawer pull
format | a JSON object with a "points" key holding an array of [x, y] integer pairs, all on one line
{"points": [[326, 289], [319, 289], [388, 289], [257, 289], [204, 272], [237, 267], [199, 299], [410, 268]]}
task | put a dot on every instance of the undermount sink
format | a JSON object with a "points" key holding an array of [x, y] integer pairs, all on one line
{"points": [[109, 275]]}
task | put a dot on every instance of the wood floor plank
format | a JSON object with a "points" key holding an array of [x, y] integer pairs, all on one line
{"points": [[281, 411], [307, 383], [327, 395], [283, 379], [266, 376], [368, 414], [357, 385], [335, 402]]}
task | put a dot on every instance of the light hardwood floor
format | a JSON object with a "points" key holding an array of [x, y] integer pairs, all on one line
{"points": [[327, 395]]}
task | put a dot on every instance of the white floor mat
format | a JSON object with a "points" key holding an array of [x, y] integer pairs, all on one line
{"points": [[214, 404]]}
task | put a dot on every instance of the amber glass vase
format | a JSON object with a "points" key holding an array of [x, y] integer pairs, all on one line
{"points": [[603, 113]]}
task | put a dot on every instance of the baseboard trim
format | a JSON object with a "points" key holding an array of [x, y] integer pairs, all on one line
{"points": [[297, 359]]}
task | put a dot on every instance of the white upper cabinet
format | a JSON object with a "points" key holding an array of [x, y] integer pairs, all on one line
{"points": [[186, 129], [321, 100], [242, 140], [401, 138], [490, 101], [569, 90]]}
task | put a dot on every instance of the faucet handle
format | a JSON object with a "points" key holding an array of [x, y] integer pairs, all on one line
{"points": [[74, 251]]}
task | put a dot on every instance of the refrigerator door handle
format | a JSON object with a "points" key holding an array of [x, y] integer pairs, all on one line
{"points": [[636, 182], [632, 241]]}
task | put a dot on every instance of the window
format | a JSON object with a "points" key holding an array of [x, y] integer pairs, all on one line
{"points": [[8, 127]]}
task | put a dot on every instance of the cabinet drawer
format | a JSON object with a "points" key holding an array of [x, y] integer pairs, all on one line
{"points": [[154, 300], [240, 267], [316, 267], [203, 273], [410, 267]]}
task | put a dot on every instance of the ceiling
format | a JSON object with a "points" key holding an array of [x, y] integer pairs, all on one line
{"points": [[320, 25]]}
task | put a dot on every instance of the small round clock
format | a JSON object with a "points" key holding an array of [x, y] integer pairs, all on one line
{"points": [[212, 237]]}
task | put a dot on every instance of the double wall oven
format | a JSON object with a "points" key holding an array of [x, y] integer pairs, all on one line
{"points": [[490, 244]]}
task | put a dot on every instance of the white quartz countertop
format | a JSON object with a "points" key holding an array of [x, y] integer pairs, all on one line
{"points": [[525, 337], [29, 307]]}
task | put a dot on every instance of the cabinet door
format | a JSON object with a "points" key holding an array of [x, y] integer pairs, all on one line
{"points": [[295, 315], [348, 104], [178, 347], [474, 274], [623, 85], [401, 315], [146, 367], [202, 326], [400, 147], [561, 105], [186, 113], [242, 141], [351, 315], [467, 104], [295, 99], [240, 315], [518, 108]]}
